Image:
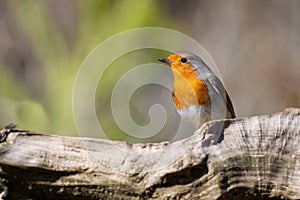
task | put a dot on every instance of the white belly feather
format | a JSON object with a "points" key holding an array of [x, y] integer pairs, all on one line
{"points": [[197, 115]]}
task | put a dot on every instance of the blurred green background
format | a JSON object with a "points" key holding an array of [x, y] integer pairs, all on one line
{"points": [[255, 44], [43, 45]]}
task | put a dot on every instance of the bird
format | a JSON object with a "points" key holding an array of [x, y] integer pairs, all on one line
{"points": [[198, 94]]}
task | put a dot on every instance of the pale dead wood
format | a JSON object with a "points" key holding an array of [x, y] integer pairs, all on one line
{"points": [[250, 158]]}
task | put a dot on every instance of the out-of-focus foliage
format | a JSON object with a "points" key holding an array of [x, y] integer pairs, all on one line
{"points": [[44, 44]]}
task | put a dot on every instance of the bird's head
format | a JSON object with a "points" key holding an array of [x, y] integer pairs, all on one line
{"points": [[182, 62], [177, 60]]}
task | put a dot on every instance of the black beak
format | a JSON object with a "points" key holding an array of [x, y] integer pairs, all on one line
{"points": [[165, 60]]}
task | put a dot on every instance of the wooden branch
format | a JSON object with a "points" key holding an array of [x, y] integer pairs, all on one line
{"points": [[250, 158]]}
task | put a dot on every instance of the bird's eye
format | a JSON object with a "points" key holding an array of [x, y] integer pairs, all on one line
{"points": [[183, 60]]}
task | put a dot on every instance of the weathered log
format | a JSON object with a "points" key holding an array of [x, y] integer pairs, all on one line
{"points": [[249, 158]]}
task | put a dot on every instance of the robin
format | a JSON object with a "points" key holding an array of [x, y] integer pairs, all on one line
{"points": [[198, 93]]}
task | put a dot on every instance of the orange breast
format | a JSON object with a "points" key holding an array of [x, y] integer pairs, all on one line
{"points": [[188, 88]]}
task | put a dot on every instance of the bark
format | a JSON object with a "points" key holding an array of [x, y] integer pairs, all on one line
{"points": [[248, 158]]}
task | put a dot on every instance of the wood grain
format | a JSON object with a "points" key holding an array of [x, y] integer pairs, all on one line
{"points": [[248, 158]]}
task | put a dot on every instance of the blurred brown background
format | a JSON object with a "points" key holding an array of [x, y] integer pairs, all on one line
{"points": [[255, 44]]}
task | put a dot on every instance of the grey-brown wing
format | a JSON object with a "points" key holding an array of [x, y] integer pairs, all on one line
{"points": [[219, 88], [229, 105], [214, 85]]}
